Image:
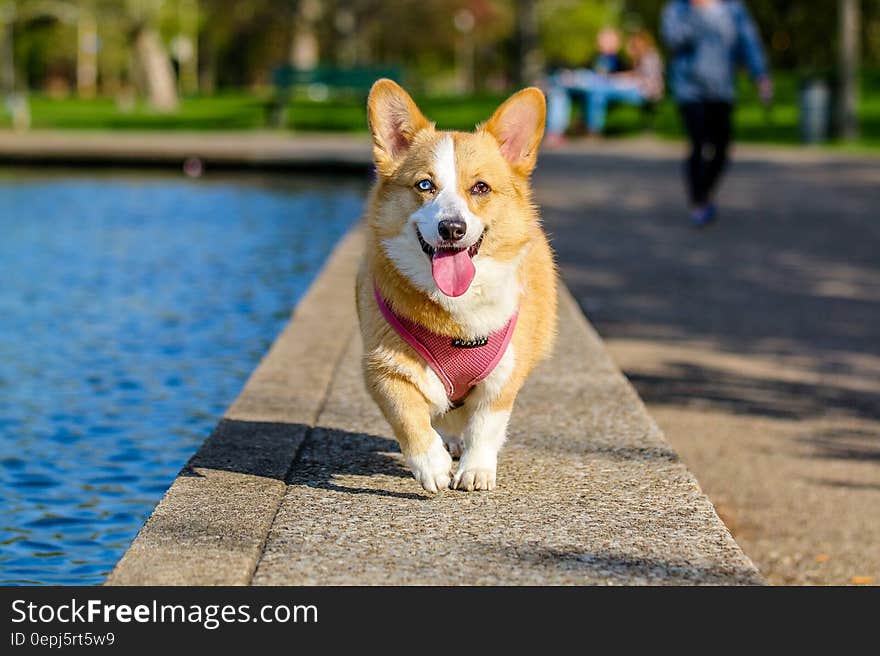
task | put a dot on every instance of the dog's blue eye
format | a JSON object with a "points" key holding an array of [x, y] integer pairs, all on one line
{"points": [[425, 185]]}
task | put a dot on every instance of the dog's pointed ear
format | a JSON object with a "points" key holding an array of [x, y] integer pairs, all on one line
{"points": [[394, 122], [518, 126]]}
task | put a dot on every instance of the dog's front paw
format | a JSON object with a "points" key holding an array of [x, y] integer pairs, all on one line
{"points": [[475, 472], [432, 469]]}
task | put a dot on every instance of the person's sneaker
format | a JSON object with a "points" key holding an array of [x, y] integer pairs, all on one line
{"points": [[703, 216]]}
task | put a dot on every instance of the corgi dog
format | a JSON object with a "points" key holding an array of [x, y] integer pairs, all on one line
{"points": [[456, 294]]}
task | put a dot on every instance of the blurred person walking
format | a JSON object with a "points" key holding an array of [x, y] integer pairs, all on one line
{"points": [[708, 39]]}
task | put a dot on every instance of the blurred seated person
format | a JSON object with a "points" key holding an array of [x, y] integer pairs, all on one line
{"points": [[607, 60], [642, 84]]}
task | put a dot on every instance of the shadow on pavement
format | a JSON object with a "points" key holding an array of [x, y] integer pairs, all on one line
{"points": [[299, 455], [683, 383], [845, 445], [329, 453], [630, 568], [790, 270]]}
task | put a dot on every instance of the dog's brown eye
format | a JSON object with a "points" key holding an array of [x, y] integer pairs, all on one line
{"points": [[480, 188]]}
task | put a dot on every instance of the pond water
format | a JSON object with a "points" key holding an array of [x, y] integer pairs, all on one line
{"points": [[132, 310]]}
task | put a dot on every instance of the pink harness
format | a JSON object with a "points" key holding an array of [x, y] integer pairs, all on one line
{"points": [[459, 364]]}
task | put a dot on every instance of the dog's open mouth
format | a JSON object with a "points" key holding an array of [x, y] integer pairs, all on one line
{"points": [[430, 250], [452, 268]]}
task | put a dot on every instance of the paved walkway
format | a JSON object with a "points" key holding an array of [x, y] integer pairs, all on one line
{"points": [[755, 345], [301, 483]]}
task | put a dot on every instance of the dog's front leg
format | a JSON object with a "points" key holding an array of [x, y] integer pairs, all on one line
{"points": [[408, 412], [483, 437]]}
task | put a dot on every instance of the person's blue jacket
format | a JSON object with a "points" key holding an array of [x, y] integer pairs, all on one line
{"points": [[706, 45]]}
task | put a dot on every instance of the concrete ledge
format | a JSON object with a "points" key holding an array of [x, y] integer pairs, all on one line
{"points": [[327, 153], [210, 526], [217, 150], [301, 483]]}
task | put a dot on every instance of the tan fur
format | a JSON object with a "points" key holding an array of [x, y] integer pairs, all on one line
{"points": [[404, 143]]}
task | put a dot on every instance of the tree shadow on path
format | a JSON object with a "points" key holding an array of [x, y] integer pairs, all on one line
{"points": [[791, 270]]}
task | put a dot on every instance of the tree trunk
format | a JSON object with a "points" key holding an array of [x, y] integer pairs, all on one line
{"points": [[188, 13], [86, 54], [7, 49], [207, 69], [848, 68], [529, 59], [157, 74], [345, 45], [304, 50]]}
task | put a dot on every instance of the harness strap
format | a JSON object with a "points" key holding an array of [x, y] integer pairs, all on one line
{"points": [[460, 365]]}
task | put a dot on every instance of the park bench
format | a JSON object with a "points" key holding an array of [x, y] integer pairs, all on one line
{"points": [[648, 111], [321, 81]]}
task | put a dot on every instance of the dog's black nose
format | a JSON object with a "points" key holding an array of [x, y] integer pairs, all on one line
{"points": [[452, 229]]}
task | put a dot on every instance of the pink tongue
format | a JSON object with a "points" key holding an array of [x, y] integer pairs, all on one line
{"points": [[453, 271]]}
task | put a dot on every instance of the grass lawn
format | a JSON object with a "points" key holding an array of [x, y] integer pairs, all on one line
{"points": [[238, 111], [755, 123], [241, 111]]}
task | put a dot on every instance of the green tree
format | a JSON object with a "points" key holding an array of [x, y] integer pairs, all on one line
{"points": [[569, 28]]}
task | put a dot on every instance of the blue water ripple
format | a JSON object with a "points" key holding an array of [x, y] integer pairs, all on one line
{"points": [[132, 310]]}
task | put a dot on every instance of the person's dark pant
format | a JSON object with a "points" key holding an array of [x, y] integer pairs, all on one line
{"points": [[708, 125]]}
